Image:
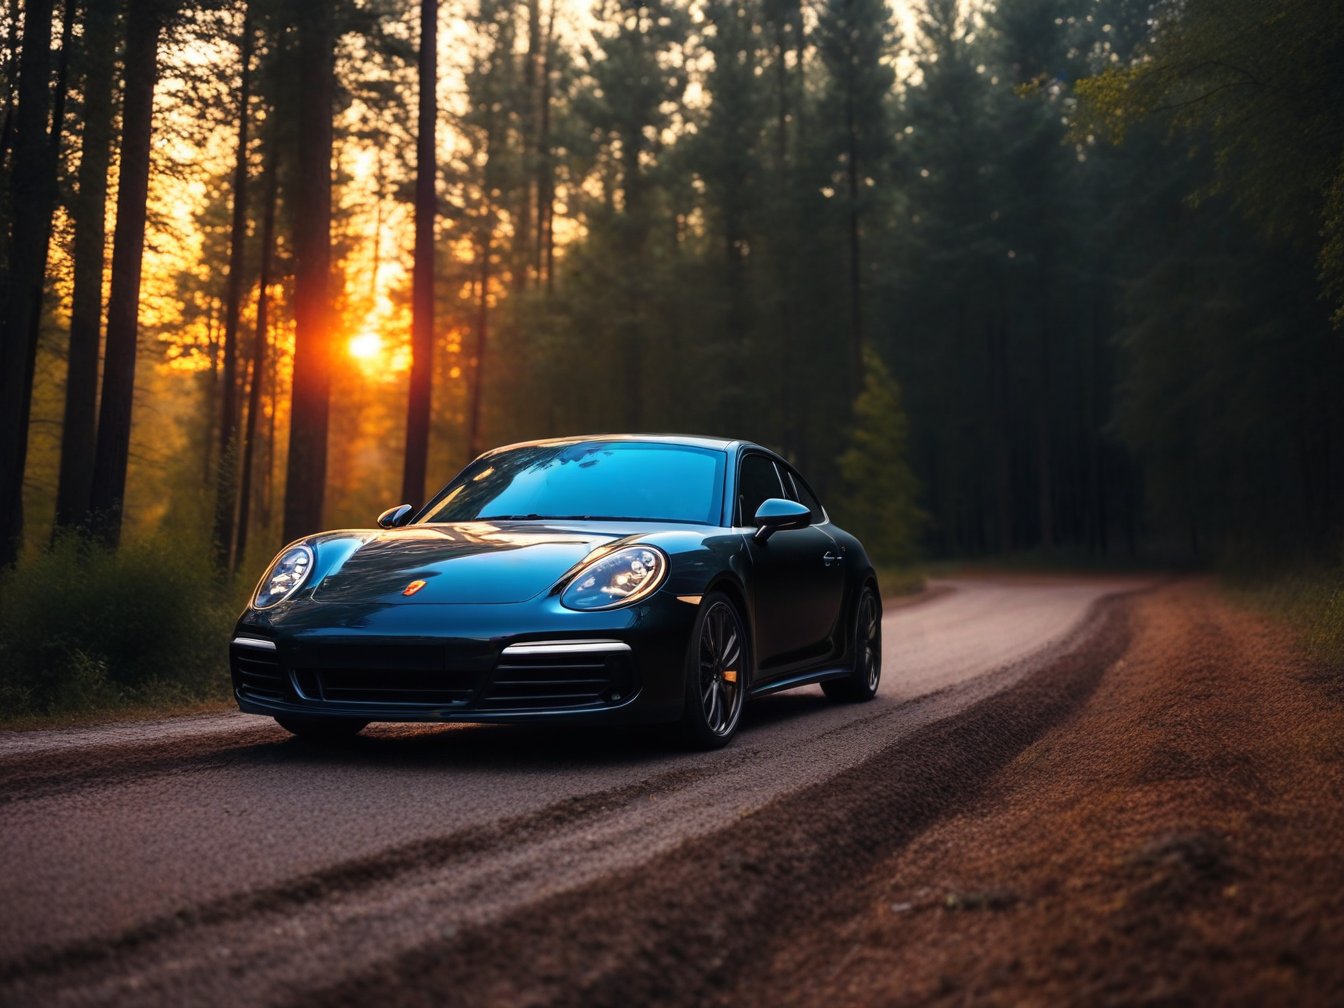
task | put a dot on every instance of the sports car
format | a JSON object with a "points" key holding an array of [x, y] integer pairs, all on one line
{"points": [[591, 580]]}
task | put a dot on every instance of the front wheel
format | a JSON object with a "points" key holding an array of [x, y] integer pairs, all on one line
{"points": [[717, 663], [321, 729], [861, 683]]}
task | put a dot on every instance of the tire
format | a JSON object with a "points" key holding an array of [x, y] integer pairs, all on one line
{"points": [[862, 682], [718, 665], [321, 729]]}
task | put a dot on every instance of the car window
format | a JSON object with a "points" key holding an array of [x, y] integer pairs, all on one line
{"points": [[757, 481], [804, 496], [593, 479]]}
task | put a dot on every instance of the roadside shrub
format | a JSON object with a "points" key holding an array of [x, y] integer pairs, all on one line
{"points": [[878, 502], [85, 627], [1311, 599]]}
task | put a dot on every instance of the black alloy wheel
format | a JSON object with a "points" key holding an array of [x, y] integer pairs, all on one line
{"points": [[717, 664], [861, 684]]}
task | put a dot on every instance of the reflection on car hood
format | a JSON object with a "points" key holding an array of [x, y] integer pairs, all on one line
{"points": [[476, 562]]}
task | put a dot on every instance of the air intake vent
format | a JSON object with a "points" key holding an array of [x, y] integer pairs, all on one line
{"points": [[382, 674], [256, 673], [526, 681]]}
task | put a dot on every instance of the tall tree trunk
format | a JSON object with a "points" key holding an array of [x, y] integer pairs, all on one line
{"points": [[1003, 448], [211, 397], [310, 411], [545, 253], [422, 284], [144, 19], [11, 75], [90, 213], [226, 484], [855, 265], [482, 337], [260, 341], [31, 192], [546, 164], [529, 127]]}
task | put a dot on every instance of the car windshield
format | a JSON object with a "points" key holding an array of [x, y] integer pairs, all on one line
{"points": [[642, 481]]}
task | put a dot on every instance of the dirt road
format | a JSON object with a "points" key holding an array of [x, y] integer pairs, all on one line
{"points": [[214, 860]]}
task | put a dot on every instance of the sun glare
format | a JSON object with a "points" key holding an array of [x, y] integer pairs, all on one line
{"points": [[365, 347]]}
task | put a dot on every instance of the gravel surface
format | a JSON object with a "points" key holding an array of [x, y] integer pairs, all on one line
{"points": [[212, 859], [1180, 840]]}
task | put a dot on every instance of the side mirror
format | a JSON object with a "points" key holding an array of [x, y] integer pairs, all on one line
{"points": [[395, 517], [777, 514]]}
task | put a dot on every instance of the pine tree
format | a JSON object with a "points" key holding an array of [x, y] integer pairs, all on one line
{"points": [[856, 41], [880, 488]]}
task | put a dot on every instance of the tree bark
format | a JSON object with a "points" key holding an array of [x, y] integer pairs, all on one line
{"points": [[86, 312], [545, 252], [529, 120], [482, 336], [226, 483], [310, 411], [31, 191], [144, 20], [422, 284], [11, 74], [855, 265], [260, 342]]}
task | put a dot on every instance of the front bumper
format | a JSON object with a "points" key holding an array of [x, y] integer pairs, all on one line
{"points": [[497, 663]]}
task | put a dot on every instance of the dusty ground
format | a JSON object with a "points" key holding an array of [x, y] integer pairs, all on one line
{"points": [[1155, 819], [214, 860], [1179, 840], [1145, 811]]}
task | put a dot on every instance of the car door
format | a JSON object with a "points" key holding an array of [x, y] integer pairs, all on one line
{"points": [[830, 598], [795, 575]]}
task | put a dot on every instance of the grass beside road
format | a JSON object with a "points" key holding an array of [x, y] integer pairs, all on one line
{"points": [[87, 632], [1309, 601], [897, 582]]}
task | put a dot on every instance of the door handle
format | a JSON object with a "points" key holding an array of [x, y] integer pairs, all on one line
{"points": [[829, 558]]}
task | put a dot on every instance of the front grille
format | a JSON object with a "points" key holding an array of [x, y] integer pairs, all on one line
{"points": [[381, 674], [393, 686], [257, 673], [410, 676], [557, 680]]}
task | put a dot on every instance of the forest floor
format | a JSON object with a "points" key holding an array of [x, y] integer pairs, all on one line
{"points": [[1155, 819], [1145, 810], [1179, 839]]}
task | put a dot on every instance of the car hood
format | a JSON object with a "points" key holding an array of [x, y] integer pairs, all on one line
{"points": [[477, 562]]}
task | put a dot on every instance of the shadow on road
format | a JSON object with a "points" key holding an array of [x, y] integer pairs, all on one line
{"points": [[522, 747]]}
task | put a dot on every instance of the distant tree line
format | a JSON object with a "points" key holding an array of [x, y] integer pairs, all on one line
{"points": [[1047, 275]]}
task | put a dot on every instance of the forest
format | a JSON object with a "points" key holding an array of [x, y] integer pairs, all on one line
{"points": [[1056, 278]]}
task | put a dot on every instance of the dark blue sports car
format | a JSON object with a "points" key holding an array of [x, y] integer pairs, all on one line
{"points": [[593, 580]]}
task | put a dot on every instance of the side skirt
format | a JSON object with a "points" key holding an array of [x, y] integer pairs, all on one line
{"points": [[793, 682]]}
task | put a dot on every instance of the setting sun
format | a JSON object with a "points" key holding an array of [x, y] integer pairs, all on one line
{"points": [[366, 346]]}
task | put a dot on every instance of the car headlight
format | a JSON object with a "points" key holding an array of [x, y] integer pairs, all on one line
{"points": [[620, 578], [283, 579]]}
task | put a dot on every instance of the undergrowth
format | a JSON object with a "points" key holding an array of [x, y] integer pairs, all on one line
{"points": [[1311, 600], [86, 628]]}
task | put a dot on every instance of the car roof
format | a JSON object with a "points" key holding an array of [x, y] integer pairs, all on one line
{"points": [[695, 440]]}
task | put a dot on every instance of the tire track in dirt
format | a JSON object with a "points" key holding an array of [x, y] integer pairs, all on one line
{"points": [[683, 928], [56, 772], [346, 878], [352, 908]]}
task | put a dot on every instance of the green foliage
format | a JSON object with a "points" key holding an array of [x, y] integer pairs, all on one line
{"points": [[879, 488], [82, 626], [1310, 598], [1260, 86]]}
